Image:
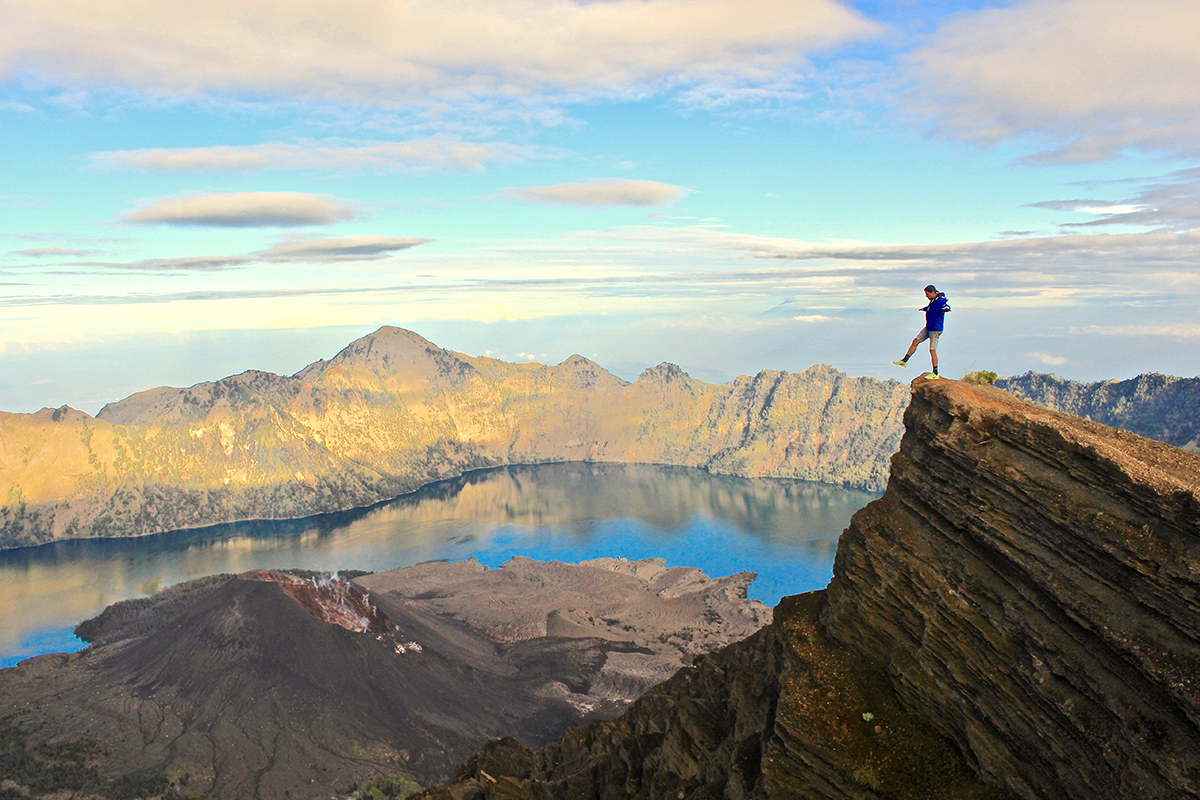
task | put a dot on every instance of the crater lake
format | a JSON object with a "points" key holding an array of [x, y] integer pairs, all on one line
{"points": [[784, 530]]}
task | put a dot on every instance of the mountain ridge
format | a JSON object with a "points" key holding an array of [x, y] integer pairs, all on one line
{"points": [[392, 412]]}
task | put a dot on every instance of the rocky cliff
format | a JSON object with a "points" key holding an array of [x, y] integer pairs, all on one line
{"points": [[1018, 615], [392, 412], [1032, 582], [1157, 406]]}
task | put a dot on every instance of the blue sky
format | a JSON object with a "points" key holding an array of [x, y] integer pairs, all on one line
{"points": [[190, 190]]}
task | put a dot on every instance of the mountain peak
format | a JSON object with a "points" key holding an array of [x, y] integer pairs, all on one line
{"points": [[664, 373], [392, 350], [388, 340], [62, 413]]}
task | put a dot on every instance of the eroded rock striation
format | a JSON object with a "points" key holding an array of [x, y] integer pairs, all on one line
{"points": [[1018, 615], [393, 412]]}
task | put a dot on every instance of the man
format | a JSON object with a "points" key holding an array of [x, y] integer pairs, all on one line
{"points": [[935, 317]]}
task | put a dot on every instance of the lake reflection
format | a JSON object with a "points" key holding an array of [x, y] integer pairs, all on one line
{"points": [[784, 530]]}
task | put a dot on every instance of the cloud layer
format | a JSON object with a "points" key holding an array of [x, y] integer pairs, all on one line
{"points": [[38, 252], [602, 193], [180, 264], [1171, 203], [344, 248], [393, 50], [414, 155], [1089, 77], [243, 210]]}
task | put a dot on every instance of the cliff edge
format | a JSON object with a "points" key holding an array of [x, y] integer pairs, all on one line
{"points": [[1018, 615]]}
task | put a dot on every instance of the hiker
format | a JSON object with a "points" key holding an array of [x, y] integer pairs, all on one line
{"points": [[935, 315]]}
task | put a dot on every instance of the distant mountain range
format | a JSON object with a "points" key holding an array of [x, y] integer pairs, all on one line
{"points": [[1156, 406], [392, 412]]}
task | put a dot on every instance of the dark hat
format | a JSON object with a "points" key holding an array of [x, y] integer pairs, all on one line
{"points": [[931, 288]]}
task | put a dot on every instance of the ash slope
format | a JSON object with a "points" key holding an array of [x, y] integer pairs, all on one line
{"points": [[392, 412], [1019, 615], [271, 686]]}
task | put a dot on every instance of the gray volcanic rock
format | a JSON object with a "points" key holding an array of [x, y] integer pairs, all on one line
{"points": [[1032, 581], [272, 686], [658, 608]]}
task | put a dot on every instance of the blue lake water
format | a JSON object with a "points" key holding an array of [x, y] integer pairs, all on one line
{"points": [[784, 530]]}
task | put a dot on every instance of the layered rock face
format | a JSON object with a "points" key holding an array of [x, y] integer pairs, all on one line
{"points": [[392, 412], [1032, 582], [1160, 407]]}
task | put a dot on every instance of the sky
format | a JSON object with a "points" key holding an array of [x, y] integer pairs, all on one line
{"points": [[189, 190]]}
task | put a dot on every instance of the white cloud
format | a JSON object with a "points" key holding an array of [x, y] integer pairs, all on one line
{"points": [[343, 248], [602, 193], [416, 155], [1090, 78], [1046, 358], [182, 264], [1044, 271], [1100, 253], [1169, 203], [815, 318], [398, 50], [52, 251], [243, 210], [1174, 330]]}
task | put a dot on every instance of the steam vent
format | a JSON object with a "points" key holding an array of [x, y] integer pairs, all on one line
{"points": [[1017, 616]]}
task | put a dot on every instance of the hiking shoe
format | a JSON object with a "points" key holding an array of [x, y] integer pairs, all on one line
{"points": [[900, 363], [932, 376]]}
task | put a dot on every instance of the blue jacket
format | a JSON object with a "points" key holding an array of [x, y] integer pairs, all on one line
{"points": [[935, 313]]}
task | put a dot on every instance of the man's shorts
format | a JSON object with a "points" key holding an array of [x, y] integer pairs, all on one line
{"points": [[932, 336]]}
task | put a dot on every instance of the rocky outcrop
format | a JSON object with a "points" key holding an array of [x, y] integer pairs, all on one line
{"points": [[1022, 605], [1156, 406], [393, 412], [1032, 582]]}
